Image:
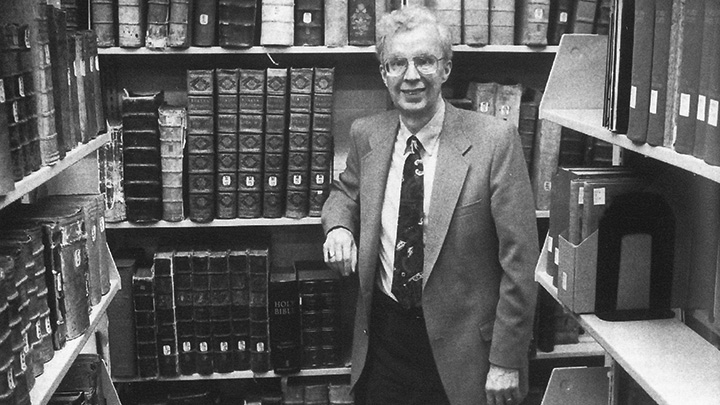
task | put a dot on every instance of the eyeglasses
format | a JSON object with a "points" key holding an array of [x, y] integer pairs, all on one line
{"points": [[426, 65]]}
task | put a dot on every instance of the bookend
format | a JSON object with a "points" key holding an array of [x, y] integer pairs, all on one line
{"points": [[577, 273]]}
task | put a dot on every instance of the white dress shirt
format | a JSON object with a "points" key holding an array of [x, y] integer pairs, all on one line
{"points": [[429, 138]]}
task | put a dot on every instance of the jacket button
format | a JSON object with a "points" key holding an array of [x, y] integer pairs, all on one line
{"points": [[365, 331]]}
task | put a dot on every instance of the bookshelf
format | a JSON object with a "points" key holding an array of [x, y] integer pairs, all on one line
{"points": [[667, 358]]}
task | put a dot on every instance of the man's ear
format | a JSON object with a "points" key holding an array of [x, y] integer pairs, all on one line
{"points": [[383, 74], [446, 69]]}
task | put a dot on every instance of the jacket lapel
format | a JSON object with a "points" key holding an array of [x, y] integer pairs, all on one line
{"points": [[450, 175]]}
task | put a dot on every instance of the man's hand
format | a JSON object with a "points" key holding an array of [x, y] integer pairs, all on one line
{"points": [[503, 386], [340, 251]]}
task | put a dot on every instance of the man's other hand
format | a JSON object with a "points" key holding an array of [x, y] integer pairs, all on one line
{"points": [[503, 386], [339, 251]]}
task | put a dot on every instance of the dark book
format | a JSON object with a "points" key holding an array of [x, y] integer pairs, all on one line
{"points": [[221, 310], [201, 309], [145, 323], [84, 375], [239, 272], [709, 86], [227, 131], [618, 95], [277, 22], [167, 336], [141, 156], [336, 23], [183, 289], [204, 22], [172, 121], [259, 274], [284, 303], [23, 115], [527, 125], [76, 20], [273, 197], [559, 23], [361, 22], [201, 153], [237, 23], [131, 23], [507, 102], [158, 17], [73, 94], [11, 153], [532, 19], [180, 24], [602, 19], [121, 329], [572, 148], [583, 19], [94, 73], [57, 31], [104, 19], [309, 22], [110, 167], [320, 314], [641, 70], [476, 22], [599, 193], [659, 72], [688, 78]]}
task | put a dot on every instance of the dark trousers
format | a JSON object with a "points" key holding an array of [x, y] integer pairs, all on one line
{"points": [[400, 368]]}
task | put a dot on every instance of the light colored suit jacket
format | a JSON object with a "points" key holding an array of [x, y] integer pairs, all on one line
{"points": [[481, 244]]}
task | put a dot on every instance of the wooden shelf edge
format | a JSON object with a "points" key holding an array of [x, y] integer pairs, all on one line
{"points": [[39, 177], [218, 223], [581, 349], [297, 50], [247, 374], [55, 369]]}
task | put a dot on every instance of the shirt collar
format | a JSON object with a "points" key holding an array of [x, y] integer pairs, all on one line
{"points": [[429, 134]]}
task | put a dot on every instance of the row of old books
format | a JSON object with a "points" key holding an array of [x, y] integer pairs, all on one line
{"points": [[214, 310], [243, 23], [54, 271], [664, 75], [545, 145], [49, 79]]}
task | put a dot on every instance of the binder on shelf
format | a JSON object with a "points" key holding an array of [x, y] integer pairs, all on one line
{"points": [[709, 85], [640, 77], [559, 20]]}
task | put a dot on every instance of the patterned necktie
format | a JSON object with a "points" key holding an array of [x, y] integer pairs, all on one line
{"points": [[407, 272]]}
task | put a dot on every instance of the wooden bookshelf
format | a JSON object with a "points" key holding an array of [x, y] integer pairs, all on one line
{"points": [[45, 173], [240, 375], [55, 369], [299, 50], [218, 223]]}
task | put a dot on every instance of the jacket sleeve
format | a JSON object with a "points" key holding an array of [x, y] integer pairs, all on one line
{"points": [[513, 211]]}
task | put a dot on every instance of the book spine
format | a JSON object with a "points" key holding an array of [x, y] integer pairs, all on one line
{"points": [[201, 310], [97, 92], [482, 96], [659, 72], [121, 331], [103, 17], [336, 23], [708, 91], [238, 269], [559, 23], [320, 318], [74, 269], [251, 136], [158, 15], [42, 80], [277, 22], [201, 145], [449, 12], [284, 304], [74, 14], [221, 311], [297, 197], [533, 18], [131, 22], [507, 102], [602, 20], [180, 23], [689, 75], [641, 70], [183, 290], [7, 170], [172, 125], [361, 22], [204, 22], [584, 17], [58, 53], [167, 336], [237, 23], [17, 74], [502, 22], [259, 275], [527, 128], [309, 22], [145, 322], [476, 22], [227, 147]]}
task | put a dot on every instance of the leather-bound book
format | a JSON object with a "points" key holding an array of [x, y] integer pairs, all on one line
{"points": [[141, 156], [103, 16], [361, 22], [449, 12], [527, 125], [201, 309], [309, 22], [180, 24], [220, 310], [237, 23], [204, 22], [297, 194], [301, 85], [94, 67], [145, 323], [110, 166], [476, 22], [85, 45], [7, 180], [336, 23], [583, 20], [172, 123], [546, 151], [602, 19], [80, 87], [183, 290], [201, 145], [502, 22], [11, 78], [559, 23], [73, 95], [131, 23], [284, 301], [76, 20], [277, 22], [58, 53], [121, 330], [239, 272], [227, 133], [507, 102], [167, 338], [259, 275], [158, 16], [533, 17], [22, 114]]}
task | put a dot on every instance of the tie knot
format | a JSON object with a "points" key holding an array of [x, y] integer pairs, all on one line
{"points": [[414, 145]]}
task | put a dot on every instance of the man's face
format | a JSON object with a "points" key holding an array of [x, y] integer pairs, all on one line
{"points": [[415, 93]]}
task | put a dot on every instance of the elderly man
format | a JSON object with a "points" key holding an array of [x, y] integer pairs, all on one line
{"points": [[435, 212]]}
